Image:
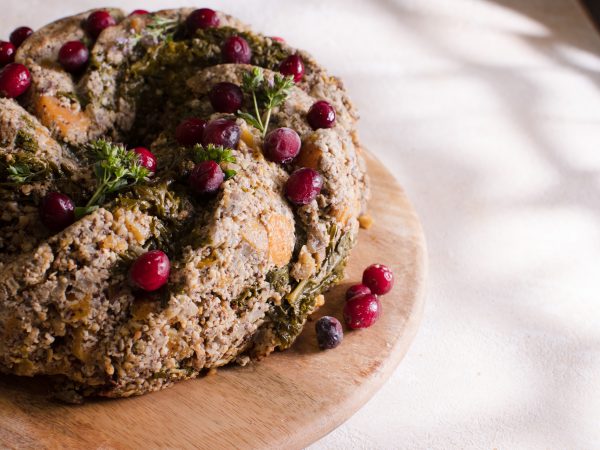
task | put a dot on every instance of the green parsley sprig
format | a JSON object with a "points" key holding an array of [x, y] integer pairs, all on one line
{"points": [[265, 96], [115, 169], [218, 154], [21, 173]]}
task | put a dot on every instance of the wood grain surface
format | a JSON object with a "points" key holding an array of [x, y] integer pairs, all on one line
{"points": [[287, 401]]}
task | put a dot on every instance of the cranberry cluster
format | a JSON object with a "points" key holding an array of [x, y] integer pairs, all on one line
{"points": [[73, 56], [362, 308], [14, 78]]}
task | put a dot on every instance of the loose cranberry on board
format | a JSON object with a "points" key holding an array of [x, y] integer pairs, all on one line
{"points": [[362, 311], [357, 289], [329, 332], [378, 278]]}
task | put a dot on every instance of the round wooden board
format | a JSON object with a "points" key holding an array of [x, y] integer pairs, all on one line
{"points": [[289, 400]]}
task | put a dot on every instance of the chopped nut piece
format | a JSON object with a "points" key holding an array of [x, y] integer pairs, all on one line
{"points": [[319, 300], [365, 221]]}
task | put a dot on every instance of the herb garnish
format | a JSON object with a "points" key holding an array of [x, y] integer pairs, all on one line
{"points": [[158, 27], [115, 169], [21, 173], [265, 96], [215, 153], [162, 26]]}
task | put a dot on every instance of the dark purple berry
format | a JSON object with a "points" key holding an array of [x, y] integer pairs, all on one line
{"points": [[97, 22], [357, 289], [223, 132], [293, 66], [303, 186], [226, 97], [362, 311], [201, 19], [150, 271], [206, 177], [378, 278], [190, 131], [14, 80], [73, 56], [57, 211], [7, 53], [329, 332], [236, 50], [18, 36], [321, 115], [282, 145]]}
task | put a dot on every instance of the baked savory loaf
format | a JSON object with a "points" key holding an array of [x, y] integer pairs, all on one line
{"points": [[248, 266]]}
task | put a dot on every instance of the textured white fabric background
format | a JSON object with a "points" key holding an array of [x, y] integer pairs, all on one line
{"points": [[488, 112]]}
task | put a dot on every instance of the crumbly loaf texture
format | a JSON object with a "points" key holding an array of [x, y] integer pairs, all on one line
{"points": [[247, 266]]}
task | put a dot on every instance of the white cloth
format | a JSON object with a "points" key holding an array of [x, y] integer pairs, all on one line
{"points": [[488, 112]]}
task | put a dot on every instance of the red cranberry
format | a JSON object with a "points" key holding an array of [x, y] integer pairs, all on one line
{"points": [[226, 97], [293, 66], [223, 132], [201, 19], [14, 80], [378, 278], [18, 36], [206, 177], [7, 53], [321, 115], [98, 21], [329, 332], [303, 186], [362, 311], [282, 145], [236, 50], [147, 158], [73, 56], [138, 12], [278, 39], [57, 211], [190, 131], [357, 289], [150, 271]]}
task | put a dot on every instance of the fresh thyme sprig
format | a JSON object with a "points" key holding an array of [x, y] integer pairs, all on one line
{"points": [[265, 96], [158, 28], [218, 154], [115, 169], [162, 26]]}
